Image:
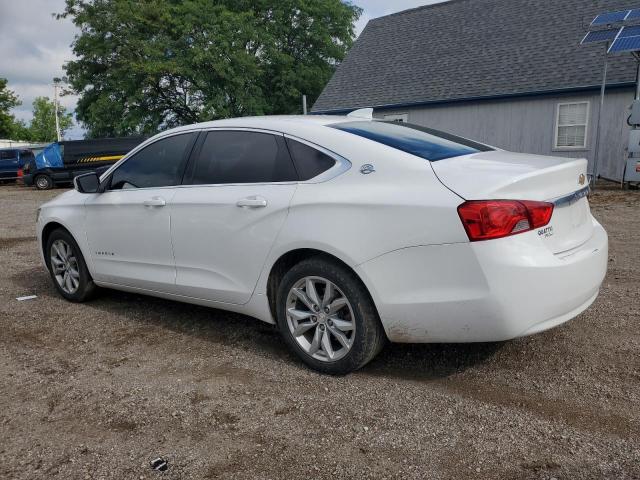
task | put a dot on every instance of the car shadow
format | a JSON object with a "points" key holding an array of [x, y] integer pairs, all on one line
{"points": [[206, 323], [403, 361], [432, 361]]}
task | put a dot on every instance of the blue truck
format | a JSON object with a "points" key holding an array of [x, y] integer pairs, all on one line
{"points": [[11, 162], [60, 162]]}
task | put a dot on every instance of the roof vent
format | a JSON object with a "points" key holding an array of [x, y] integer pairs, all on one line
{"points": [[366, 113]]}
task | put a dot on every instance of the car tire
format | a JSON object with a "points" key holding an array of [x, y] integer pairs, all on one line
{"points": [[347, 316], [43, 182], [67, 267]]}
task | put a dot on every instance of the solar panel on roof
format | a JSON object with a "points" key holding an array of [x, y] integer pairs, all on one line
{"points": [[600, 36], [634, 14], [630, 31], [610, 17], [628, 40], [627, 44]]}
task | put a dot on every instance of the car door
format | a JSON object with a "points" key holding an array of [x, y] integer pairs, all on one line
{"points": [[9, 163], [128, 226], [226, 217]]}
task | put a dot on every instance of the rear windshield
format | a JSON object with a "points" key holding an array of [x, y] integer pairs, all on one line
{"points": [[423, 142]]}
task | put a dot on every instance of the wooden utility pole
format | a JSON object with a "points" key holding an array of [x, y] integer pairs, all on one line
{"points": [[55, 101]]}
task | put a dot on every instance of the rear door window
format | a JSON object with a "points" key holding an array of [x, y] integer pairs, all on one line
{"points": [[236, 157], [423, 142]]}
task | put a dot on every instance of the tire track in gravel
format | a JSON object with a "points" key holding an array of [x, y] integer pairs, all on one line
{"points": [[9, 242], [554, 410]]}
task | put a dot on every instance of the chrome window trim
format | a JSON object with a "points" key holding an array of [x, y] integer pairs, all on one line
{"points": [[141, 189], [340, 167], [244, 129], [570, 198], [293, 182], [240, 129]]}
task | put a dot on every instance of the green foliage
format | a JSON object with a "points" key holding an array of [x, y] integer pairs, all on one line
{"points": [[43, 124], [10, 127], [146, 65], [20, 131]]}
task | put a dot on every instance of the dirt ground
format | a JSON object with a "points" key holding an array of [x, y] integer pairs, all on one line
{"points": [[98, 390]]}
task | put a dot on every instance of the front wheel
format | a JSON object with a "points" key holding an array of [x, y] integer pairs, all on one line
{"points": [[43, 182], [67, 267], [327, 317]]}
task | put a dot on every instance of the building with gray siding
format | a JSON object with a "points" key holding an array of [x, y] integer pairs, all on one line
{"points": [[510, 73]]}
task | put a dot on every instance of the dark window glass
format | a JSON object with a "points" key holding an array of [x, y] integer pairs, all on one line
{"points": [[310, 162], [157, 165], [420, 141], [26, 154], [243, 157], [7, 154]]}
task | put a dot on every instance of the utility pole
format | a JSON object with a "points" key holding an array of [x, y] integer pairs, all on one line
{"points": [[304, 104], [55, 101]]}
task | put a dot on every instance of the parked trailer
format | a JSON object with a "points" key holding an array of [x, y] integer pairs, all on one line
{"points": [[60, 162]]}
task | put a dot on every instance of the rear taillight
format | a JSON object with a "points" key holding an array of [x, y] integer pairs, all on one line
{"points": [[487, 219], [20, 173]]}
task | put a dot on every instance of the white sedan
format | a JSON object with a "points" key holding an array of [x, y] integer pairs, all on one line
{"points": [[344, 231]]}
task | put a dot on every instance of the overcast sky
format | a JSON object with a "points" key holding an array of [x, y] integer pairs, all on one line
{"points": [[34, 45]]}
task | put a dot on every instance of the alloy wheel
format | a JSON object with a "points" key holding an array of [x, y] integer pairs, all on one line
{"points": [[42, 182], [320, 318], [65, 266]]}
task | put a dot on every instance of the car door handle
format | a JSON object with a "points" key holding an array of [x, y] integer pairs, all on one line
{"points": [[155, 202], [252, 202]]}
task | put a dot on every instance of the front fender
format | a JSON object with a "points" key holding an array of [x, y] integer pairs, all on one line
{"points": [[71, 217]]}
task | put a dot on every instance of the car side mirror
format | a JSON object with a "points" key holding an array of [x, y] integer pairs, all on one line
{"points": [[87, 183]]}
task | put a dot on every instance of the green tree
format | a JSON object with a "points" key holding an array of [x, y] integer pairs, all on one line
{"points": [[151, 64], [43, 124], [10, 127], [20, 131]]}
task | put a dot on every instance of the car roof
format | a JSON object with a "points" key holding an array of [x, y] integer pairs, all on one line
{"points": [[268, 122]]}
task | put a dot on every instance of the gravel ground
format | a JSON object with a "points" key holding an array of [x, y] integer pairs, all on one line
{"points": [[98, 390]]}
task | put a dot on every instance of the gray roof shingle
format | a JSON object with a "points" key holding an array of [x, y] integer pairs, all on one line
{"points": [[464, 49]]}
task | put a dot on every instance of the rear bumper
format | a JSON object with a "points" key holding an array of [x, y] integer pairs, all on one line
{"points": [[484, 291]]}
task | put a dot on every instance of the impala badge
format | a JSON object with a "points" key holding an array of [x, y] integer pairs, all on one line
{"points": [[581, 179], [367, 168]]}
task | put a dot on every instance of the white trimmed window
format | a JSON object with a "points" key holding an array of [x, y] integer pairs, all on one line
{"points": [[572, 121], [397, 117]]}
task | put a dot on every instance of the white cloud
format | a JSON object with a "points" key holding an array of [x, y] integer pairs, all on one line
{"points": [[33, 49], [34, 45]]}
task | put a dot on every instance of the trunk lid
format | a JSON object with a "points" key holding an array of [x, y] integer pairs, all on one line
{"points": [[506, 175]]}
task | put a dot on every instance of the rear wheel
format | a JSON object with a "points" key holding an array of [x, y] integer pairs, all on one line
{"points": [[67, 267], [327, 317], [43, 182]]}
